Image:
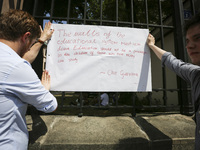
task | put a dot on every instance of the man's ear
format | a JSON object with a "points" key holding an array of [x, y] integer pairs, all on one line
{"points": [[26, 36]]}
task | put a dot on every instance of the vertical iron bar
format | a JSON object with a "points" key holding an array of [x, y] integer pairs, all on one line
{"points": [[35, 7], [132, 19], [192, 7], [81, 105], [133, 97], [52, 9], [1, 5], [117, 13], [11, 4], [132, 13], [147, 14], [150, 98], [85, 12], [101, 12], [18, 4], [117, 98], [68, 13], [164, 85], [147, 22], [62, 99], [162, 46], [99, 99], [184, 95]]}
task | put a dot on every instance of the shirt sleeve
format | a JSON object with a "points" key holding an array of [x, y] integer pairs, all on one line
{"points": [[24, 84], [184, 70]]}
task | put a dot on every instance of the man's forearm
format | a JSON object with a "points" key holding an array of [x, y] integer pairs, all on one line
{"points": [[33, 52], [158, 51]]}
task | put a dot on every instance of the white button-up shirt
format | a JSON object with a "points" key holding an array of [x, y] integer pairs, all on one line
{"points": [[19, 86]]}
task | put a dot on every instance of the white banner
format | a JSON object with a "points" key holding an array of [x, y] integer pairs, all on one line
{"points": [[98, 58]]}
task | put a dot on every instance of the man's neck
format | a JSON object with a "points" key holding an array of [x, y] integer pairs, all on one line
{"points": [[13, 45]]}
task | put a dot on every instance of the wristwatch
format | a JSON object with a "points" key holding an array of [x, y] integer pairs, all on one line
{"points": [[42, 42]]}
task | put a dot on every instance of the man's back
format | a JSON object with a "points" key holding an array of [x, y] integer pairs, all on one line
{"points": [[19, 86], [13, 133]]}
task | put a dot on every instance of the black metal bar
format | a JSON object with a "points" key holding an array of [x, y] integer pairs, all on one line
{"points": [[117, 13], [101, 12], [162, 46], [1, 5], [18, 4], [117, 98], [11, 4], [126, 106], [81, 105], [192, 7], [35, 7], [132, 13], [134, 112], [169, 90], [149, 97], [62, 99], [99, 99], [85, 8], [180, 52], [147, 14], [68, 11], [52, 10]]}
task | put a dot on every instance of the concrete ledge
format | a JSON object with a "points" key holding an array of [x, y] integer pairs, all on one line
{"points": [[111, 133]]}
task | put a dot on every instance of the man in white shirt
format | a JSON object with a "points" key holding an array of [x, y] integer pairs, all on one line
{"points": [[19, 84]]}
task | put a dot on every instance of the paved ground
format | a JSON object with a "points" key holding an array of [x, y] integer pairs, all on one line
{"points": [[154, 132]]}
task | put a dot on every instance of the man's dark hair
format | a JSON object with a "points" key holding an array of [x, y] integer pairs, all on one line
{"points": [[15, 23], [195, 20]]}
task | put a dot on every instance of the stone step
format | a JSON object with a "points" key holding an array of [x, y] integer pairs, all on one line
{"points": [[56, 132]]}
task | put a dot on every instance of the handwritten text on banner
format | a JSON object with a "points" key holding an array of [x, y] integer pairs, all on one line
{"points": [[98, 58]]}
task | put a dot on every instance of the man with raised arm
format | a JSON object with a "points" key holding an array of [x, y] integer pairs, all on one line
{"points": [[19, 84], [187, 71], [34, 50]]}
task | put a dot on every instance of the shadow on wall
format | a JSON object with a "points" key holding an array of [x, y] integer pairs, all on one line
{"points": [[157, 140], [39, 127], [132, 143]]}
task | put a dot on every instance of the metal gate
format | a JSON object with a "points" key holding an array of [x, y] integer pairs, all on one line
{"points": [[164, 19]]}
